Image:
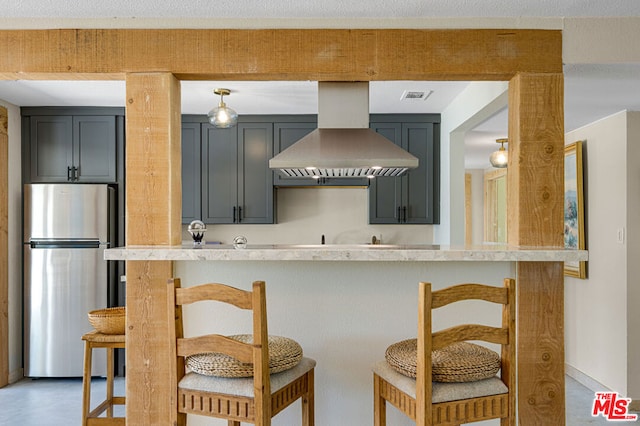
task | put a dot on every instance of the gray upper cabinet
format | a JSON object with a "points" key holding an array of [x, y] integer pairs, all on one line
{"points": [[385, 193], [94, 154], [226, 176], [70, 148], [237, 184], [219, 174], [413, 198], [285, 135], [51, 144], [255, 178], [191, 195]]}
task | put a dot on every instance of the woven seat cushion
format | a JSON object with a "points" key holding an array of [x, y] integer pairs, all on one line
{"points": [[284, 353], [456, 363]]}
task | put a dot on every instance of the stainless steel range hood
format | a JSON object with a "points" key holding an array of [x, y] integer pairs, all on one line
{"points": [[343, 145]]}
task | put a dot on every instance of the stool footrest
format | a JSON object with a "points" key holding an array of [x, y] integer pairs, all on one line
{"points": [[118, 400], [105, 405]]}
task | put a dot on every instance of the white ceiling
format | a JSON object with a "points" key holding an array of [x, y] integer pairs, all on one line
{"points": [[220, 9], [591, 91]]}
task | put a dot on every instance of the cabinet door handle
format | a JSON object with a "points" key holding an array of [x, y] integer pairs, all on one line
{"points": [[69, 175], [404, 214], [234, 214], [399, 215], [239, 214], [75, 173]]}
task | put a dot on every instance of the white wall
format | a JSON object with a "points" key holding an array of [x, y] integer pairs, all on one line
{"points": [[479, 101], [305, 214], [477, 205], [598, 335], [633, 253], [600, 40], [15, 243], [344, 315]]}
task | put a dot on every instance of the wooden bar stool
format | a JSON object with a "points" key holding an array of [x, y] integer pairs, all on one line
{"points": [[95, 339], [241, 378]]}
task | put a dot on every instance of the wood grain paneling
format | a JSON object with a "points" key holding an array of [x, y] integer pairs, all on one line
{"points": [[535, 189], [153, 166], [153, 216], [535, 193], [4, 247], [148, 384], [283, 54], [541, 399]]}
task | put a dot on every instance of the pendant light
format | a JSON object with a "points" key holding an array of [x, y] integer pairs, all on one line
{"points": [[500, 158], [222, 116]]}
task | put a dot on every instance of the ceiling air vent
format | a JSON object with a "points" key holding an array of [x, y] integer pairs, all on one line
{"points": [[415, 95]]}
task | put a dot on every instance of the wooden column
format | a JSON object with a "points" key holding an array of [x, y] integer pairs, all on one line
{"points": [[153, 216], [4, 247], [535, 198]]}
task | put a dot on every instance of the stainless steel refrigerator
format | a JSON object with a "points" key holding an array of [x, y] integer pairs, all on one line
{"points": [[66, 230]]}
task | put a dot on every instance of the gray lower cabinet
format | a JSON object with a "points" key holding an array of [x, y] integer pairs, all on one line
{"points": [[237, 184], [66, 148], [412, 198]]}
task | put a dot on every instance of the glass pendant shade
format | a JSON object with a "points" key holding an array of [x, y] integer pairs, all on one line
{"points": [[499, 158], [222, 116]]}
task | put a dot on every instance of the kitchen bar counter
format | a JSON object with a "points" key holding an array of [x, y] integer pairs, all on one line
{"points": [[364, 252], [344, 304]]}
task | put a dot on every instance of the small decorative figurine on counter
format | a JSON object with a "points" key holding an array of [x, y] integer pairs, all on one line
{"points": [[240, 242], [197, 229]]}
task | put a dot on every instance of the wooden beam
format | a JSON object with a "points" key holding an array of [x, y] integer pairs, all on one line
{"points": [[153, 216], [282, 54], [535, 193], [4, 247]]}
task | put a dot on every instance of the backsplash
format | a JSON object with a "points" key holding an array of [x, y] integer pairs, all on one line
{"points": [[305, 214]]}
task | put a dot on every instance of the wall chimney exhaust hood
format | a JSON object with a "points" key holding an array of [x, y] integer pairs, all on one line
{"points": [[343, 145]]}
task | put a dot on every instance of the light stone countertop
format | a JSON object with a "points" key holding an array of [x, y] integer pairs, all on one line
{"points": [[340, 252]]}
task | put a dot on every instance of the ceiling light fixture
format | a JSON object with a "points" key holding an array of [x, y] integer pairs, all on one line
{"points": [[222, 116], [500, 158]]}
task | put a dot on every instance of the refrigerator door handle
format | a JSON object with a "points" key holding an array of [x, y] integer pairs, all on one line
{"points": [[92, 244]]}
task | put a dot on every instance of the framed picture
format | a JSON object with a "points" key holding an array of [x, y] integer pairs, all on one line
{"points": [[574, 236]]}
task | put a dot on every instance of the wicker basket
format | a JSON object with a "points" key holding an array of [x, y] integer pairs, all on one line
{"points": [[109, 320]]}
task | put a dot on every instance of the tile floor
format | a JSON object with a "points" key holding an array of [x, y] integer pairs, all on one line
{"points": [[60, 400]]}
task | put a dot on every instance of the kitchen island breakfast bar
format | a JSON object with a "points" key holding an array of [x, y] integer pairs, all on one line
{"points": [[347, 252], [346, 303]]}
